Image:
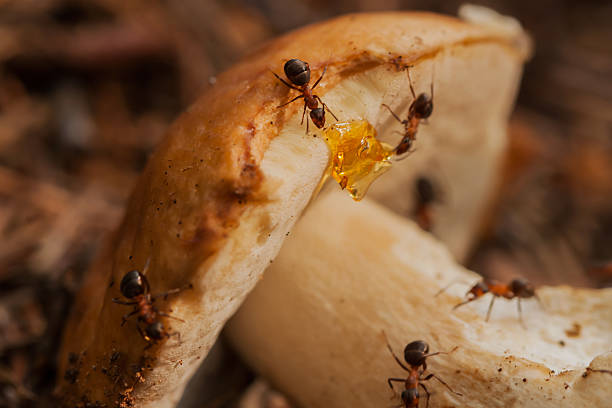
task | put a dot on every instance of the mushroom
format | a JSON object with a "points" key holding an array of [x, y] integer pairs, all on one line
{"points": [[316, 325], [224, 188]]}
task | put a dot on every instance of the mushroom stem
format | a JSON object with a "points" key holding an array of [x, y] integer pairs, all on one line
{"points": [[314, 325]]}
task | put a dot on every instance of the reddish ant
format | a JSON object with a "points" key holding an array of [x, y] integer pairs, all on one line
{"points": [[426, 196], [416, 354], [420, 109], [135, 287], [298, 73], [517, 288]]}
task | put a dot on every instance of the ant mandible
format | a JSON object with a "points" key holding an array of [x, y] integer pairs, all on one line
{"points": [[421, 108], [517, 288], [135, 287], [415, 354], [298, 73]]}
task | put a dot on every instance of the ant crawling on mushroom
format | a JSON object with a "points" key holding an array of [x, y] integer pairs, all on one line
{"points": [[426, 195], [517, 288], [298, 73], [135, 287], [420, 109], [415, 354]]}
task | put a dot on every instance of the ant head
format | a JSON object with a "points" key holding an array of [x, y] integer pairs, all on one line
{"points": [[479, 289], [410, 396], [423, 106], [132, 284], [425, 189], [522, 288], [297, 71], [155, 330], [414, 353], [318, 117]]}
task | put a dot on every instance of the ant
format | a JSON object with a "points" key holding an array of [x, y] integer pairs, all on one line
{"points": [[426, 195], [135, 287], [298, 73], [415, 354], [420, 108], [517, 288]]}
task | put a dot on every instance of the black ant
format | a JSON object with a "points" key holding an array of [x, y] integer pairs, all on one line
{"points": [[416, 354], [298, 73], [135, 287], [426, 195], [420, 109], [517, 288]]}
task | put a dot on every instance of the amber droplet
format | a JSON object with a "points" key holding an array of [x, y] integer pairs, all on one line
{"points": [[357, 157]]}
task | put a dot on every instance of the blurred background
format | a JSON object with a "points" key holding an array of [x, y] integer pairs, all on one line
{"points": [[88, 87]]}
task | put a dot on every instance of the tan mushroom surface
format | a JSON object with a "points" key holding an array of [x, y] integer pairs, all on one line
{"points": [[224, 188], [351, 271]]}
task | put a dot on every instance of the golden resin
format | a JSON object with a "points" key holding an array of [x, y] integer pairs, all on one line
{"points": [[357, 157]]}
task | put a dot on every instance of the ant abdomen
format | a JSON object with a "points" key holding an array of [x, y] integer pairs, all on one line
{"points": [[423, 106], [155, 330], [318, 117], [410, 396], [522, 288]]}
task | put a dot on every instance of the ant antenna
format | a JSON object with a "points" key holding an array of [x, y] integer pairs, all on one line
{"points": [[146, 266], [535, 295], [433, 75], [444, 289], [442, 352], [393, 353]]}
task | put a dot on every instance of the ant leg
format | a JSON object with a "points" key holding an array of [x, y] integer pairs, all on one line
{"points": [[293, 100], [410, 82], [393, 354], [286, 83], [396, 380], [426, 393], [464, 302], [146, 338], [444, 289], [520, 312], [127, 316], [319, 80], [303, 114], [392, 113], [171, 292], [490, 308], [443, 383], [170, 316], [122, 302], [326, 107]]}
